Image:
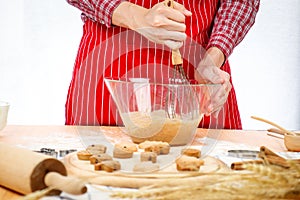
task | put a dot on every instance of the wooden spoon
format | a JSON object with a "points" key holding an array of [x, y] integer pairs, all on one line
{"points": [[275, 125], [276, 130]]}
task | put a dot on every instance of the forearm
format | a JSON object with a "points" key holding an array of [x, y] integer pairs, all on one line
{"points": [[213, 56], [232, 22]]}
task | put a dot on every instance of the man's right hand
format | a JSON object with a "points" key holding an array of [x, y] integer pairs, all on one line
{"points": [[159, 24]]}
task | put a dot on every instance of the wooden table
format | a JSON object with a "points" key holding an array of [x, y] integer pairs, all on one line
{"points": [[68, 137]]}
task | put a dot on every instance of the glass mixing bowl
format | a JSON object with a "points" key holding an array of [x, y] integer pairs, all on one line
{"points": [[4, 107], [160, 112]]}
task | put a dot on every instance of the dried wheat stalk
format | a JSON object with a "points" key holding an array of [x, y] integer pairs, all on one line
{"points": [[265, 182], [37, 194]]}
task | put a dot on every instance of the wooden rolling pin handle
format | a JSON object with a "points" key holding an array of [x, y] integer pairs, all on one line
{"points": [[64, 183]]}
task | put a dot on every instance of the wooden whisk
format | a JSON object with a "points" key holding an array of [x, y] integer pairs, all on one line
{"points": [[176, 56], [179, 76]]}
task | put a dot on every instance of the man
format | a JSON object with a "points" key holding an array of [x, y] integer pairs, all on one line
{"points": [[133, 39]]}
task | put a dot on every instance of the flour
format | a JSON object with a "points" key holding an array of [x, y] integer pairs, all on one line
{"points": [[157, 126]]}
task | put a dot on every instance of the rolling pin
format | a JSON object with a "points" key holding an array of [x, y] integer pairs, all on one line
{"points": [[25, 171]]}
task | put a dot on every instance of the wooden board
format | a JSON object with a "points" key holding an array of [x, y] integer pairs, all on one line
{"points": [[129, 179]]}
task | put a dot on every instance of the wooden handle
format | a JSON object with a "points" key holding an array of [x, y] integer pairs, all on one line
{"points": [[176, 56], [275, 130], [64, 183], [273, 124]]}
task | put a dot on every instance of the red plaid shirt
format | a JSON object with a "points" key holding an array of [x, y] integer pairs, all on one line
{"points": [[232, 22]]}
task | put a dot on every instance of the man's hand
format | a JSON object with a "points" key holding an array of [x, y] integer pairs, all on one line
{"points": [[159, 24], [208, 71]]}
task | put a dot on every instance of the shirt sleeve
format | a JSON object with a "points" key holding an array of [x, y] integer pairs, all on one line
{"points": [[97, 10], [232, 22]]}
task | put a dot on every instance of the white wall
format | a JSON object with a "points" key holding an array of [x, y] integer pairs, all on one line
{"points": [[266, 66], [39, 41]]}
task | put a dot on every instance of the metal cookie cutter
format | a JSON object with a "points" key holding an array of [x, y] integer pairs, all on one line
{"points": [[63, 153], [48, 151], [54, 153], [243, 153]]}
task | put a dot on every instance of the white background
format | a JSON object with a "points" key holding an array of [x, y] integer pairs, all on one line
{"points": [[39, 41]]}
